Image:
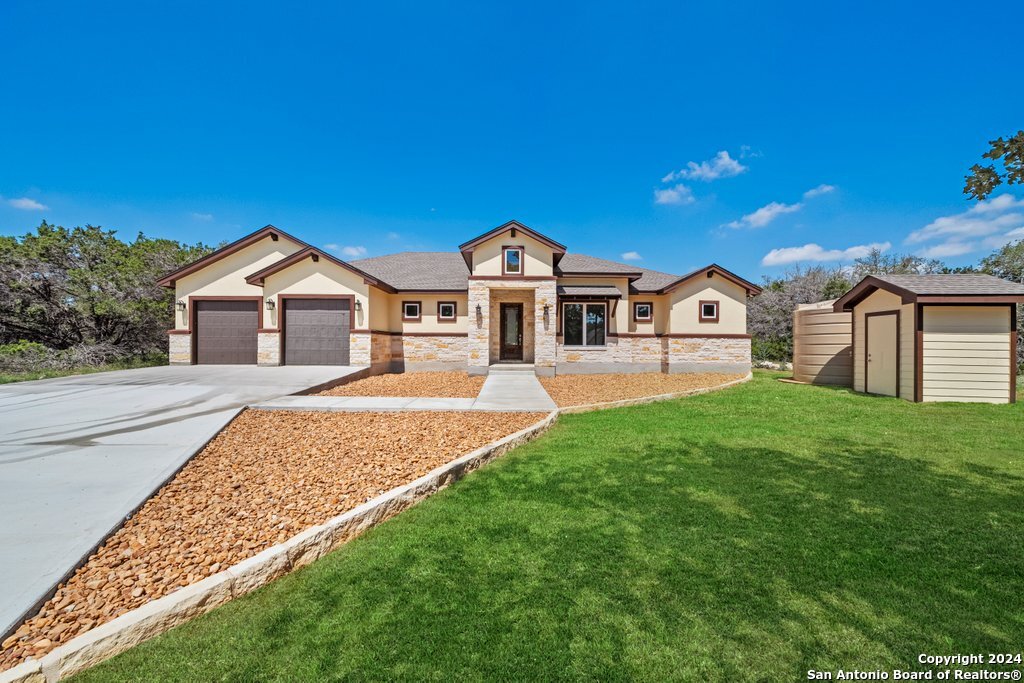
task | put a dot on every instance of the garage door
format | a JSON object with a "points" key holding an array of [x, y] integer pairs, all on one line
{"points": [[226, 332], [316, 331]]}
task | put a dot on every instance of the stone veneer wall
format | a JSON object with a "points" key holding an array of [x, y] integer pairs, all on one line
{"points": [[544, 351], [709, 354], [359, 348], [478, 353], [440, 352], [268, 348], [179, 349]]}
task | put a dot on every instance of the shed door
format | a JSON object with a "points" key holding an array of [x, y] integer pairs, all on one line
{"points": [[316, 331], [883, 369], [226, 332]]}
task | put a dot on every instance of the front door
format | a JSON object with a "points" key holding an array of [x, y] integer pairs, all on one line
{"points": [[511, 332], [882, 351]]}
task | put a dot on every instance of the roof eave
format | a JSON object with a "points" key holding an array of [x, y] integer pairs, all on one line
{"points": [[513, 225], [259, 277], [274, 233], [713, 269]]}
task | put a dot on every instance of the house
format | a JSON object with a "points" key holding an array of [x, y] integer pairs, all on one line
{"points": [[510, 295], [935, 337]]}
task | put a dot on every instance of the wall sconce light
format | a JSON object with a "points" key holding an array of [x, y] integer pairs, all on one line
{"points": [[547, 314], [359, 306], [479, 311], [180, 305], [270, 304]]}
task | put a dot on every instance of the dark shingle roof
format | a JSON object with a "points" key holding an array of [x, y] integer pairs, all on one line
{"points": [[649, 281], [953, 284], [430, 270]]}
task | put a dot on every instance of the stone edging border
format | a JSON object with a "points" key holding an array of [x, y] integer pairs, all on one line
{"points": [[652, 399], [160, 615]]}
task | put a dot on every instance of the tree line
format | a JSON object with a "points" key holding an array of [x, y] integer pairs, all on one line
{"points": [[83, 296]]}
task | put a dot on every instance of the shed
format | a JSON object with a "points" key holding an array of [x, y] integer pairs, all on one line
{"points": [[935, 337], [822, 344]]}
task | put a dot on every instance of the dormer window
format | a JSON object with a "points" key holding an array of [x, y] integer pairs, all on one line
{"points": [[512, 261]]}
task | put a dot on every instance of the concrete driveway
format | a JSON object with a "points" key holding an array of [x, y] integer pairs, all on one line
{"points": [[78, 454]]}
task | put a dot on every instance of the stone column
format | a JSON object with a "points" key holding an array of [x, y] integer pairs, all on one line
{"points": [[268, 348], [544, 331], [478, 351], [179, 348]]}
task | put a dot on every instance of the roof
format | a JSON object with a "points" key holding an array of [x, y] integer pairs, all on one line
{"points": [[418, 270], [945, 288], [513, 225], [709, 271], [641, 279], [260, 276], [603, 291], [228, 249]]}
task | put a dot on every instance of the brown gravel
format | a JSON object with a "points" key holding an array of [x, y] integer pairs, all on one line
{"points": [[413, 384], [265, 478], [579, 390]]}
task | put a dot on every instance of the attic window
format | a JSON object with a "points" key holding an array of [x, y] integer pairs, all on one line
{"points": [[709, 311], [512, 261]]}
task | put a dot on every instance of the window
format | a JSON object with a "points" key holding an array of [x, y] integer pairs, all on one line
{"points": [[709, 311], [446, 310], [583, 324], [411, 310], [512, 261], [643, 311]]}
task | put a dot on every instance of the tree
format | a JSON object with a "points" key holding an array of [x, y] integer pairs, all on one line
{"points": [[1008, 263], [878, 262], [982, 180]]}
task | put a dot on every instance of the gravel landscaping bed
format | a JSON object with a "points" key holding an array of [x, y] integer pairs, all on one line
{"points": [[579, 390], [265, 478], [412, 385]]}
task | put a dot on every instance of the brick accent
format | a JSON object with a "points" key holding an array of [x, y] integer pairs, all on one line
{"points": [[179, 349], [268, 348]]}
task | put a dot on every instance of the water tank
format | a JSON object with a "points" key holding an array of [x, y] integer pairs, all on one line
{"points": [[822, 345]]}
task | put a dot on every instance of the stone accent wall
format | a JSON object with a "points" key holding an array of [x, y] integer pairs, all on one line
{"points": [[544, 351], [435, 352], [179, 349], [382, 349], [708, 354], [478, 355], [359, 348], [268, 348], [500, 295]]}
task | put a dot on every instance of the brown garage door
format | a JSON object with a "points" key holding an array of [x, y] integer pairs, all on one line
{"points": [[226, 332], [316, 331]]}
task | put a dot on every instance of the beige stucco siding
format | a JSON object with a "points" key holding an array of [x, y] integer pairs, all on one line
{"points": [[316, 277], [537, 261], [428, 314], [662, 311], [966, 354], [226, 276], [380, 311], [685, 307], [877, 302]]}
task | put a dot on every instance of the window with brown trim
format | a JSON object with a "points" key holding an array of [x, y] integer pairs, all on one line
{"points": [[643, 311], [447, 311], [512, 260], [411, 311], [708, 312], [584, 324]]}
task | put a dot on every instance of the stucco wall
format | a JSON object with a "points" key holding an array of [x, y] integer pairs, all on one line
{"points": [[886, 301], [226, 276], [966, 354], [685, 303], [537, 261], [320, 277], [428, 314]]}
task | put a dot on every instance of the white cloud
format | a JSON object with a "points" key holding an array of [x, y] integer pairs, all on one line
{"points": [[765, 215], [819, 190], [983, 219], [947, 249], [353, 252], [631, 256], [814, 252], [202, 216], [721, 166], [26, 204], [679, 194]]}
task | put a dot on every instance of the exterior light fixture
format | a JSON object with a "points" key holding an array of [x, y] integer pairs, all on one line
{"points": [[547, 314], [479, 311], [270, 304], [180, 305], [359, 306]]}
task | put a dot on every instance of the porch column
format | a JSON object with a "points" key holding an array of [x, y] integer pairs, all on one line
{"points": [[544, 329], [479, 328]]}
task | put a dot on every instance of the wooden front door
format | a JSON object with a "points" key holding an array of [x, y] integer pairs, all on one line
{"points": [[511, 332]]}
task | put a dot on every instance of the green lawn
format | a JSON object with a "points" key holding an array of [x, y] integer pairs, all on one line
{"points": [[143, 362], [751, 534]]}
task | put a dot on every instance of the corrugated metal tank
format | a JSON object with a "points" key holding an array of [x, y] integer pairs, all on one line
{"points": [[822, 345]]}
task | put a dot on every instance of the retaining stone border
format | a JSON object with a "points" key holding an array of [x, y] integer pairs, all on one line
{"points": [[160, 615], [653, 399]]}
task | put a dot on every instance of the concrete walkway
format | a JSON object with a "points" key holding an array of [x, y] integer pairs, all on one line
{"points": [[503, 391], [78, 454]]}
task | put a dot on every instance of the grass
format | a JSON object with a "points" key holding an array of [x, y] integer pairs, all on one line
{"points": [[751, 534], [141, 362]]}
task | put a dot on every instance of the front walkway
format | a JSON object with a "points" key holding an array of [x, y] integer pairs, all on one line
{"points": [[78, 454], [509, 391]]}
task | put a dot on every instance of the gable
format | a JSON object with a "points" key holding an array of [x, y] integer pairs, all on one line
{"points": [[486, 257]]}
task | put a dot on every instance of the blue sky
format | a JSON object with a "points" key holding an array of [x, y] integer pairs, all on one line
{"points": [[375, 127]]}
